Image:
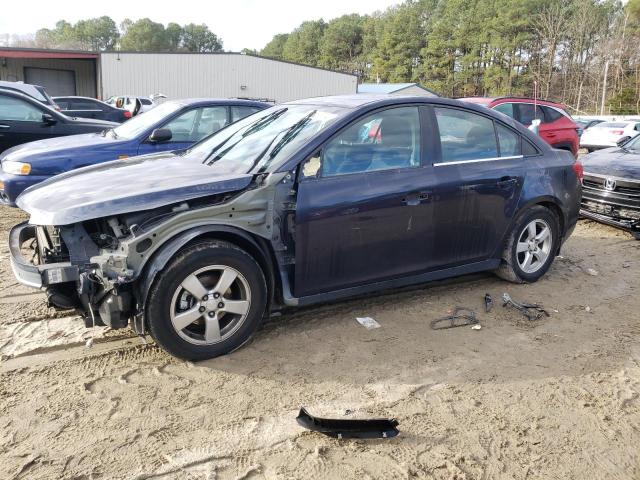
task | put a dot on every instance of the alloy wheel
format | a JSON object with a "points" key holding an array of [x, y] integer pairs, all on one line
{"points": [[534, 246], [210, 304]]}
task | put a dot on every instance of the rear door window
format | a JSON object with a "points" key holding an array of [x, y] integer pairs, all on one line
{"points": [[509, 141], [240, 111], [465, 136], [526, 113], [385, 140], [551, 114], [506, 108]]}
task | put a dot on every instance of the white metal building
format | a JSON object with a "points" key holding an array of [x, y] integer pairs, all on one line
{"points": [[177, 75]]}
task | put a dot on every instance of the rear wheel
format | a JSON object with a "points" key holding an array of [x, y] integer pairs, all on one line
{"points": [[207, 302], [531, 247]]}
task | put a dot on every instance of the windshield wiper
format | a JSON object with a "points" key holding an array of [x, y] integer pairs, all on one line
{"points": [[291, 133], [254, 127]]}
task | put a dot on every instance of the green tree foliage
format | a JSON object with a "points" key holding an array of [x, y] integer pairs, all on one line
{"points": [[275, 48], [198, 38], [341, 43], [145, 35], [303, 44]]}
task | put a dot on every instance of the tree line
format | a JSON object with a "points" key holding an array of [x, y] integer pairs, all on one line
{"points": [[584, 53], [144, 35]]}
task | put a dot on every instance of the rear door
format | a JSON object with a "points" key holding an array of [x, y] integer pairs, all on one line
{"points": [[479, 174], [363, 210]]}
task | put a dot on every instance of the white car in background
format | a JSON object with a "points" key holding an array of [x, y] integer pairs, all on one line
{"points": [[608, 134], [134, 104]]}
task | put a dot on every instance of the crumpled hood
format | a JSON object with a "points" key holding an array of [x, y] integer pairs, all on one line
{"points": [[123, 186], [614, 162]]}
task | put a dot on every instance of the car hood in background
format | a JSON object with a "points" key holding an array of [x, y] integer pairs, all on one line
{"points": [[613, 162], [56, 155], [124, 186]]}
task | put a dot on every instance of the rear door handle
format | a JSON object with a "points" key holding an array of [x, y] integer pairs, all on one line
{"points": [[2, 125]]}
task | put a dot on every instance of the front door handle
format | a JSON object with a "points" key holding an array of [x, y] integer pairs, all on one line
{"points": [[506, 182], [2, 125], [416, 198]]}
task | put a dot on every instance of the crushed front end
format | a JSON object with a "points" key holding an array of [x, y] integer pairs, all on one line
{"points": [[78, 266]]}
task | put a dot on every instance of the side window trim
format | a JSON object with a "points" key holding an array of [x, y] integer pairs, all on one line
{"points": [[478, 160]]}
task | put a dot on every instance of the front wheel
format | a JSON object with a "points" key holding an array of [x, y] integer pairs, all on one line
{"points": [[531, 247], [207, 302]]}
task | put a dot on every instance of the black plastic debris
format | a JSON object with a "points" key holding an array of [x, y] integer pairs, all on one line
{"points": [[349, 428], [460, 317], [488, 302], [533, 311]]}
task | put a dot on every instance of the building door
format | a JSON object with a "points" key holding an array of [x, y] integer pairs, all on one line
{"points": [[57, 83]]}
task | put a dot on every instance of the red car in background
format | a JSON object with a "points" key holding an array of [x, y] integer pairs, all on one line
{"points": [[557, 127]]}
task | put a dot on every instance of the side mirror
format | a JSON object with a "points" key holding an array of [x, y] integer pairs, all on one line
{"points": [[49, 119], [623, 140], [535, 126], [160, 135]]}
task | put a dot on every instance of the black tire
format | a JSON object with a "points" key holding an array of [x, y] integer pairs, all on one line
{"points": [[510, 268], [160, 301]]}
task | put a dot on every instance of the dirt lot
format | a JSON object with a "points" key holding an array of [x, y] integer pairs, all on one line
{"points": [[555, 398]]}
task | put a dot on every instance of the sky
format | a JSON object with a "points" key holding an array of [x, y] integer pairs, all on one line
{"points": [[240, 23]]}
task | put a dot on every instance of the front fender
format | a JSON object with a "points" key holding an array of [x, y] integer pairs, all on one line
{"points": [[165, 253]]}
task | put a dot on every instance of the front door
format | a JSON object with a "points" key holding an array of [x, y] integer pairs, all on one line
{"points": [[21, 122], [364, 211]]}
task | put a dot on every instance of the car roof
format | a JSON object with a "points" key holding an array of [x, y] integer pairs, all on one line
{"points": [[489, 100], [355, 102], [216, 101]]}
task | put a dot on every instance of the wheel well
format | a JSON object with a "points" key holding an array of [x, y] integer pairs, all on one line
{"points": [[558, 213], [257, 248]]}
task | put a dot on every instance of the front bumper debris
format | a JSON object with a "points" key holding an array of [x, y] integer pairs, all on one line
{"points": [[349, 428], [29, 274]]}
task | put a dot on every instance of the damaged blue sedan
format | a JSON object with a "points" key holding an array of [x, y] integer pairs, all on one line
{"points": [[305, 202]]}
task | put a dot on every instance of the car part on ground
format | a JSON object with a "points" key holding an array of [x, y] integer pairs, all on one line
{"points": [[270, 213], [611, 186], [609, 134], [175, 125], [488, 302], [533, 311], [349, 428], [556, 126], [460, 317]]}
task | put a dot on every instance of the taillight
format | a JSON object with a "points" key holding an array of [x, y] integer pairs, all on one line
{"points": [[579, 170], [617, 132], [127, 114]]}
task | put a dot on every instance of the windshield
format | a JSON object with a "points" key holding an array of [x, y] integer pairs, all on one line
{"points": [[610, 125], [264, 138], [142, 122]]}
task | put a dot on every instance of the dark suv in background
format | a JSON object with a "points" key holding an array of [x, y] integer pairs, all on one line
{"points": [[557, 127]]}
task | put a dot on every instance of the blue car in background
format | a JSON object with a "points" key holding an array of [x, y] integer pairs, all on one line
{"points": [[174, 125]]}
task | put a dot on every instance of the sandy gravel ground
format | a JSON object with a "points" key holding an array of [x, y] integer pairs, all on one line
{"points": [[556, 398]]}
